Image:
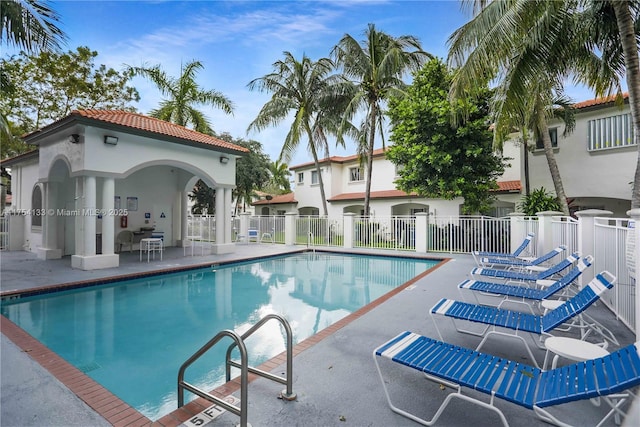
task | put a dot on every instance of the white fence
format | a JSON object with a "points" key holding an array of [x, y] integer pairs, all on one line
{"points": [[391, 232], [201, 228], [610, 254], [319, 231], [565, 232], [464, 234], [4, 232]]}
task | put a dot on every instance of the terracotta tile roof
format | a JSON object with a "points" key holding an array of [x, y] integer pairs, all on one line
{"points": [[279, 199], [338, 159], [147, 124], [599, 101], [19, 158], [386, 194], [509, 187]]}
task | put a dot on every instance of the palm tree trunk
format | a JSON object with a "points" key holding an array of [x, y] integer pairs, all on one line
{"points": [[370, 144], [318, 171], [551, 161], [632, 63]]}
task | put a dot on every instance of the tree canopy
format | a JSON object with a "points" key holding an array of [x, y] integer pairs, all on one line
{"points": [[440, 159], [375, 67], [47, 86], [182, 95]]}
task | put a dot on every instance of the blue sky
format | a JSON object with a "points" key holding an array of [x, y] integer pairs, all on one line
{"points": [[238, 41]]}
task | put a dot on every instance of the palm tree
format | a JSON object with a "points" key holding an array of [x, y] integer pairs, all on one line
{"points": [[280, 174], [530, 47], [305, 89], [629, 41], [182, 95], [30, 25], [376, 67]]}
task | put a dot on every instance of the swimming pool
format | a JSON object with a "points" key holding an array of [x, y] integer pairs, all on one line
{"points": [[132, 336]]}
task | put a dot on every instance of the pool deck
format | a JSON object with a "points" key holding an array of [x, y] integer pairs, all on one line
{"points": [[335, 378]]}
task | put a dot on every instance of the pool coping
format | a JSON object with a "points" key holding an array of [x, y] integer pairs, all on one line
{"points": [[119, 413]]}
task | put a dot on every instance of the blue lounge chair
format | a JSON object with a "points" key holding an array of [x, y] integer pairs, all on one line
{"points": [[527, 386], [524, 276], [518, 252], [519, 321], [524, 292], [511, 263]]}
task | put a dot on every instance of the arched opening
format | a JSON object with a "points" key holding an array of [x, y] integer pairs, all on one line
{"points": [[36, 206]]}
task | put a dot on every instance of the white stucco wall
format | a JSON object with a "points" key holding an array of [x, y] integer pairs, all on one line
{"points": [[605, 173], [23, 180]]}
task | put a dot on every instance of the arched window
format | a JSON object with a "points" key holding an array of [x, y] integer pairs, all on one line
{"points": [[36, 207]]}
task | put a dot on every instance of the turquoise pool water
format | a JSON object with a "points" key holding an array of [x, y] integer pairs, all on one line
{"points": [[132, 336]]}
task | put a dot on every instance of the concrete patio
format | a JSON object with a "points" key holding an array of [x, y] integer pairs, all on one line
{"points": [[335, 379]]}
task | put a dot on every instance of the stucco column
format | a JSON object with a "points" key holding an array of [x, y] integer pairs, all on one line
{"points": [[220, 217], [545, 231], [586, 239], [290, 228], [633, 259], [228, 238], [49, 248], [348, 229], [89, 215], [49, 235], [108, 216], [422, 221], [518, 230], [184, 214]]}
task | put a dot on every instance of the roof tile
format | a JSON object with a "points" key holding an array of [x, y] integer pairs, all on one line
{"points": [[150, 124]]}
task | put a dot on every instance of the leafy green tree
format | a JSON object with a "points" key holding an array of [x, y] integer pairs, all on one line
{"points": [[305, 90], [182, 96], [204, 198], [440, 159], [32, 26], [376, 68], [539, 200], [48, 86], [252, 170]]}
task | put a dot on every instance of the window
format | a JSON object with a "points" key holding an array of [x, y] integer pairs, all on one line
{"points": [[314, 177], [610, 132], [553, 135], [36, 207], [355, 174], [398, 169], [300, 177]]}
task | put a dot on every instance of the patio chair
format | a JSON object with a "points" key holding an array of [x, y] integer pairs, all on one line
{"points": [[515, 254], [512, 322], [511, 263], [457, 367], [124, 238], [545, 273], [523, 293]]}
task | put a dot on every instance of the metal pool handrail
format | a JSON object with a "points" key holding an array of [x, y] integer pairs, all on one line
{"points": [[243, 366], [287, 394], [182, 384]]}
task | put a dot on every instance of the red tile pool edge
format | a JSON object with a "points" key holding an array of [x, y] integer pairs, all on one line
{"points": [[119, 413]]}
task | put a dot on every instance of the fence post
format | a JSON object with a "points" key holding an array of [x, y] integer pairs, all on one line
{"points": [[290, 228], [518, 231], [422, 222], [348, 229], [586, 240], [545, 231], [633, 259], [244, 225]]}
